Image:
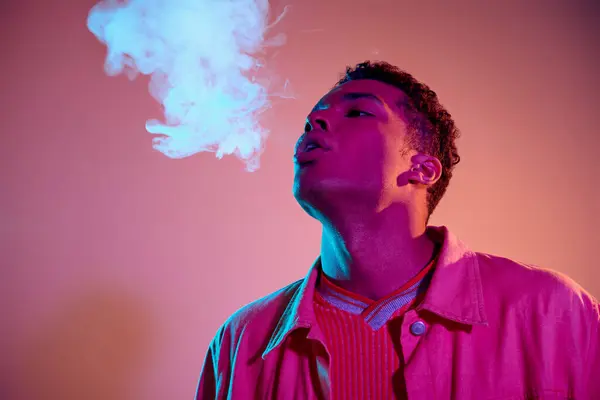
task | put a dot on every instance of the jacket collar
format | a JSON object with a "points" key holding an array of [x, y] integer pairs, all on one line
{"points": [[455, 292]]}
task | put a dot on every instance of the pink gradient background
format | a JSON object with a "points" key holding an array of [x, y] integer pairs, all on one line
{"points": [[119, 264]]}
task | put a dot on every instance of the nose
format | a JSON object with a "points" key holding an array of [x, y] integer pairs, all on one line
{"points": [[316, 120]]}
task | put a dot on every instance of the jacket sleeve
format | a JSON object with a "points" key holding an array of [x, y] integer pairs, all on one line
{"points": [[214, 372], [593, 371]]}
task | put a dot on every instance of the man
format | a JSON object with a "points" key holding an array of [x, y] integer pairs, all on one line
{"points": [[393, 308]]}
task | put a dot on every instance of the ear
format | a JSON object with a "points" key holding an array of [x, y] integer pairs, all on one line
{"points": [[425, 170]]}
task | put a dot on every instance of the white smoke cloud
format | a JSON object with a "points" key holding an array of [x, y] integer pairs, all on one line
{"points": [[202, 59]]}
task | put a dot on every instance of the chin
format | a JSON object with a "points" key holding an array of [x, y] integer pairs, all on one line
{"points": [[303, 198]]}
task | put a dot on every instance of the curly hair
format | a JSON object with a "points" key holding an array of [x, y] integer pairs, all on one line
{"points": [[431, 129]]}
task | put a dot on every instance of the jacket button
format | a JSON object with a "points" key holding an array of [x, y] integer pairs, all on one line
{"points": [[418, 328]]}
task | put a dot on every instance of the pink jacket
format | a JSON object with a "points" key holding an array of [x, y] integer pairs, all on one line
{"points": [[494, 329]]}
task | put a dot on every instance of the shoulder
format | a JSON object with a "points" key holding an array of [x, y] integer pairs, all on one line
{"points": [[258, 317], [533, 286]]}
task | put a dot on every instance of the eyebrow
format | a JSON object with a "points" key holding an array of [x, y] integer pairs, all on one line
{"points": [[360, 95], [349, 97]]}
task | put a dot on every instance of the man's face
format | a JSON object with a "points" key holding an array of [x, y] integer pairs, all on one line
{"points": [[361, 135]]}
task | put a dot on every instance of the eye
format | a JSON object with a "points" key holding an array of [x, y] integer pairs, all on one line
{"points": [[307, 127], [357, 113]]}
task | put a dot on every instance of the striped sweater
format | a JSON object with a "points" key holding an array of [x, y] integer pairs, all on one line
{"points": [[362, 337]]}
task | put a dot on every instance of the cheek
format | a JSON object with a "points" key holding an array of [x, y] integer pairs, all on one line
{"points": [[393, 149], [359, 138], [363, 160]]}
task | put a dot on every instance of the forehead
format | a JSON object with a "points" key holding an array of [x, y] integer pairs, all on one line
{"points": [[371, 89]]}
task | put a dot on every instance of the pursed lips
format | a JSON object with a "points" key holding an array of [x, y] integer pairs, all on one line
{"points": [[310, 149]]}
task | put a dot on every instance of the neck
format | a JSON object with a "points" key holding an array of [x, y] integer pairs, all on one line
{"points": [[375, 255]]}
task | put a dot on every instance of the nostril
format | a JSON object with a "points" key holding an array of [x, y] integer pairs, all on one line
{"points": [[322, 124]]}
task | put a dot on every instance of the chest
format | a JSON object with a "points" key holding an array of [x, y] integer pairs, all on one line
{"points": [[418, 358]]}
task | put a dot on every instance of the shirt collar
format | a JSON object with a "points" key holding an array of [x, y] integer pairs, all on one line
{"points": [[377, 313], [454, 293]]}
